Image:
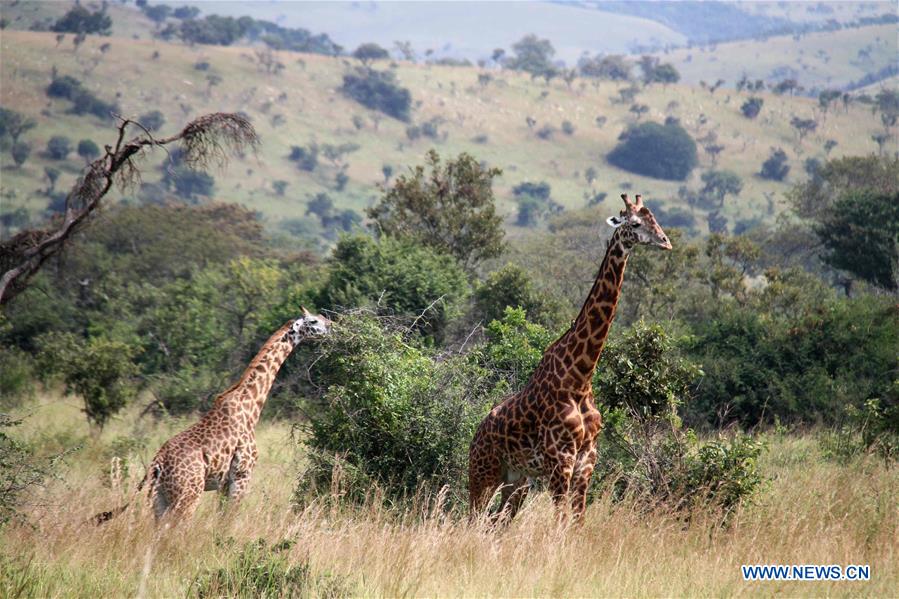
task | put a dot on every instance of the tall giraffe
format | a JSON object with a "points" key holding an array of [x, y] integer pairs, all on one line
{"points": [[549, 428], [218, 453]]}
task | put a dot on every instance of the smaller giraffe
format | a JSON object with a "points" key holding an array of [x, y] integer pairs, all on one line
{"points": [[218, 453]]}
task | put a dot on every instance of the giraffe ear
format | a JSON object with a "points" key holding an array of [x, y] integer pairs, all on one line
{"points": [[615, 221]]}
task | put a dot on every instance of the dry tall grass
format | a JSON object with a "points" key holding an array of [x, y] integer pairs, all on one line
{"points": [[811, 512]]}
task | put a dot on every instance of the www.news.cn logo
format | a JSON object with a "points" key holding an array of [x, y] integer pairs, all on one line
{"points": [[806, 572]]}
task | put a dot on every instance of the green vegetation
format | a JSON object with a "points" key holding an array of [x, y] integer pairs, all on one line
{"points": [[379, 91], [662, 151]]}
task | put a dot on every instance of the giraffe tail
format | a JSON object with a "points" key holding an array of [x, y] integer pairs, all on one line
{"points": [[103, 517]]}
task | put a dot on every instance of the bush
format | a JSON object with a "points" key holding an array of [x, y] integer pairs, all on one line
{"points": [[654, 150], [873, 428], [511, 287], [83, 101], [153, 120], [394, 414], [17, 376], [399, 277], [88, 150], [305, 157], [775, 167], [59, 147], [20, 152], [81, 20], [20, 471], [378, 91], [513, 350], [752, 107], [99, 370], [260, 570]]}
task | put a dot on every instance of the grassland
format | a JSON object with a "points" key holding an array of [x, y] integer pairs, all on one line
{"points": [[302, 105], [811, 511], [825, 60]]}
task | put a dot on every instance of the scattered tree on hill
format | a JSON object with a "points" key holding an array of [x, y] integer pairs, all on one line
{"points": [[83, 101], [451, 208], [803, 126], [534, 202], [88, 150], [378, 91], [204, 141], [532, 55], [58, 147], [654, 150], [20, 152], [752, 107], [306, 157], [369, 52], [14, 124], [787, 85], [81, 20], [829, 145], [654, 72], [826, 98], [52, 175], [775, 166], [186, 12], [719, 184], [614, 67], [158, 13]]}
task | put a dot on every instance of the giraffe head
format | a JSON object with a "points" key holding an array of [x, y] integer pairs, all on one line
{"points": [[638, 225], [308, 325]]}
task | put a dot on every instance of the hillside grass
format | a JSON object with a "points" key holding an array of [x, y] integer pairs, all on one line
{"points": [[811, 511], [305, 95], [825, 60]]}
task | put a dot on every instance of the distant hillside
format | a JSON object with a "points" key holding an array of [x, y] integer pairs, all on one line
{"points": [[503, 118]]}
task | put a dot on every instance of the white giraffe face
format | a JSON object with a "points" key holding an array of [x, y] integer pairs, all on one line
{"points": [[642, 226], [309, 325]]}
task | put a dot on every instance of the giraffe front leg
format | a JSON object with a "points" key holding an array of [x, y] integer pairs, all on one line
{"points": [[238, 479], [580, 482], [561, 460]]}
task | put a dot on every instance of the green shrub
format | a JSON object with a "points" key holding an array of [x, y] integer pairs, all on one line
{"points": [[392, 413], [514, 348], [260, 570], [20, 470], [17, 376], [511, 287], [873, 428], [654, 150], [399, 277], [59, 147], [379, 91]]}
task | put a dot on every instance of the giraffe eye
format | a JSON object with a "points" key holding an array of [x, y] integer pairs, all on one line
{"points": [[635, 225]]}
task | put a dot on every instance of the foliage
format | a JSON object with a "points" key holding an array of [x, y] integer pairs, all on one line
{"points": [[451, 209], [59, 147], [100, 370], [17, 376], [83, 100], [14, 124], [306, 157], [534, 202], [378, 90], [20, 152], [775, 166], [532, 55], [613, 66], [153, 120], [370, 52], [260, 570], [396, 276], [88, 150], [20, 471], [392, 412], [511, 287], [860, 232], [514, 348], [660, 151], [80, 20], [719, 184], [752, 107]]}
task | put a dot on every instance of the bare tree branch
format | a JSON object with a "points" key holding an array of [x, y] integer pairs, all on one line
{"points": [[205, 141]]}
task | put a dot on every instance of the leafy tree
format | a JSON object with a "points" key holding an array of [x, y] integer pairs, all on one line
{"points": [[369, 52], [752, 107], [80, 20], [100, 370], [88, 150], [186, 12], [861, 234], [532, 55], [83, 101], [660, 151], [534, 201], [59, 147], [189, 183], [398, 276], [14, 124], [775, 166], [511, 287], [378, 91], [653, 72], [614, 67], [718, 184], [840, 177], [153, 120], [20, 152], [451, 208], [158, 13], [306, 157], [803, 126]]}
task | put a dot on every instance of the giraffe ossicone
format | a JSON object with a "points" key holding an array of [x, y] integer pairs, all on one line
{"points": [[219, 452], [549, 428]]}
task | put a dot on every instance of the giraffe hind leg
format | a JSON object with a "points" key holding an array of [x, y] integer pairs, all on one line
{"points": [[484, 478]]}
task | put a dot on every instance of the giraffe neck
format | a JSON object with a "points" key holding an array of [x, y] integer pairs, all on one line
{"points": [[581, 346], [248, 395]]}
